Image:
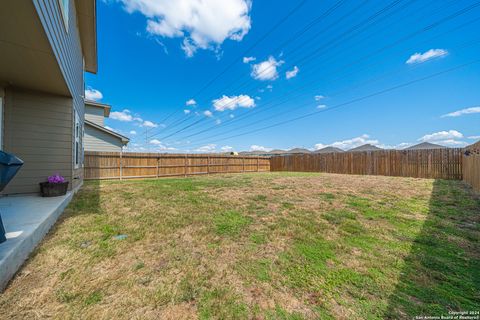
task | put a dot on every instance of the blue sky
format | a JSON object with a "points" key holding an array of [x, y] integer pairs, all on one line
{"points": [[221, 75]]}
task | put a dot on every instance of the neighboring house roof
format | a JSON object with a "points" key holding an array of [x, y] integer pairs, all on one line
{"points": [[425, 145], [328, 150], [475, 146], [277, 151], [252, 153], [299, 150], [365, 147], [124, 139], [87, 24], [106, 108]]}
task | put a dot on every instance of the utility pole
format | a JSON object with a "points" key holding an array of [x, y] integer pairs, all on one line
{"points": [[146, 139]]}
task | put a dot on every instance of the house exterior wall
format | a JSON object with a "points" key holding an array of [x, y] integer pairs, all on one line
{"points": [[38, 129], [97, 140], [66, 45], [95, 115]]}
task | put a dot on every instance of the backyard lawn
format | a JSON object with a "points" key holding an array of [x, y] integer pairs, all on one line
{"points": [[261, 246]]}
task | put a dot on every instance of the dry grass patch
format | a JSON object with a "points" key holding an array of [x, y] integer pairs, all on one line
{"points": [[263, 246]]}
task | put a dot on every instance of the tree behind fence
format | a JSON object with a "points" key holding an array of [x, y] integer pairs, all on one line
{"points": [[471, 166], [437, 164], [115, 165]]}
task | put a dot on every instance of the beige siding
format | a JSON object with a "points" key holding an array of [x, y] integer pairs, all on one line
{"points": [[38, 129], [67, 48], [97, 140], [95, 115]]}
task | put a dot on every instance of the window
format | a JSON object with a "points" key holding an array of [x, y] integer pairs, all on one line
{"points": [[77, 152], [64, 4]]}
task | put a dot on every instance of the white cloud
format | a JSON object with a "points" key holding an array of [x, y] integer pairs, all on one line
{"points": [[208, 148], [233, 102], [191, 102], [134, 147], [441, 135], [133, 132], [155, 142], [447, 138], [462, 112], [93, 94], [318, 97], [452, 143], [226, 148], [161, 146], [266, 70], [349, 143], [149, 124], [403, 145], [259, 148], [321, 106], [203, 24], [186, 111], [428, 55], [208, 113], [248, 59], [124, 115], [474, 137], [292, 73], [218, 121]]}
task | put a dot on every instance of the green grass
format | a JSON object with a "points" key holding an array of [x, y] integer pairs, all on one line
{"points": [[230, 223], [265, 246]]}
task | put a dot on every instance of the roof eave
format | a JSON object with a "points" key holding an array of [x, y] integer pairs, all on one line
{"points": [[124, 139], [87, 23]]}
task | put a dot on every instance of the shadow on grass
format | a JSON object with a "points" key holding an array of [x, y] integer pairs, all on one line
{"points": [[442, 271]]}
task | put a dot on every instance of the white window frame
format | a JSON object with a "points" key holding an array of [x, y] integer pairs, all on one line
{"points": [[64, 8], [77, 141]]}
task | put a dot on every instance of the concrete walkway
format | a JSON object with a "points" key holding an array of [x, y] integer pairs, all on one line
{"points": [[27, 219]]}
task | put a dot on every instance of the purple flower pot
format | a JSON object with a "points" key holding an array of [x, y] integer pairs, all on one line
{"points": [[49, 189]]}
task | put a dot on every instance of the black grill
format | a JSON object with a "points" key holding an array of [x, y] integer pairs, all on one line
{"points": [[9, 166]]}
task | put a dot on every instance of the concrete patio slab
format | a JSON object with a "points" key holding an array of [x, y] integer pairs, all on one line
{"points": [[27, 219]]}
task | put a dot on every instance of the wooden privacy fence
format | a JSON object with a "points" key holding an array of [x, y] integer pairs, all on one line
{"points": [[437, 164], [115, 165]]}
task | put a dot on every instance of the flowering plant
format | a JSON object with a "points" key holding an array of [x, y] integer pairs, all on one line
{"points": [[56, 178]]}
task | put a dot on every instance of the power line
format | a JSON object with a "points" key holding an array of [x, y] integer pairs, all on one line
{"points": [[466, 44], [376, 52], [298, 34], [296, 89], [258, 41], [406, 84], [371, 18]]}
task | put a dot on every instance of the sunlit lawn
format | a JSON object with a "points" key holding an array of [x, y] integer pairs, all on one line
{"points": [[265, 246]]}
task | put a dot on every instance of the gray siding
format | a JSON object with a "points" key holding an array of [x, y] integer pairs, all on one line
{"points": [[38, 129], [95, 115], [97, 140], [68, 52]]}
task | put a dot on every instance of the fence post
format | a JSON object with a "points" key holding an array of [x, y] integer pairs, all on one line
{"points": [[121, 165], [208, 164], [185, 169], [258, 163], [243, 164], [158, 167]]}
